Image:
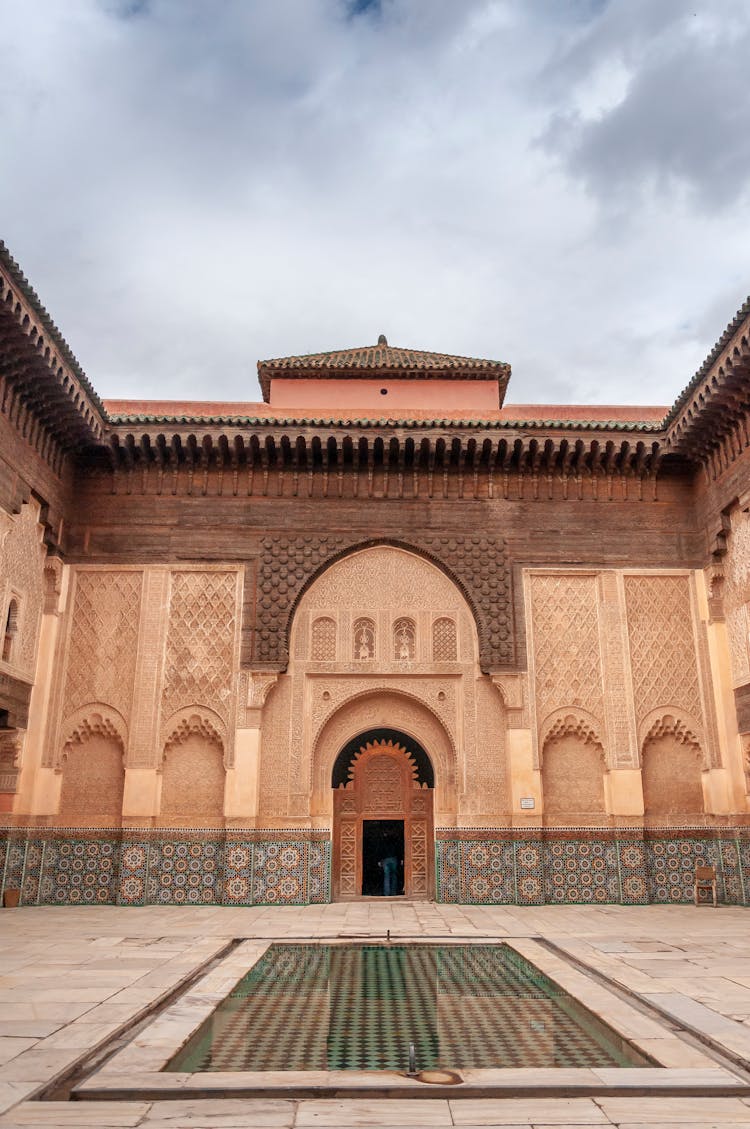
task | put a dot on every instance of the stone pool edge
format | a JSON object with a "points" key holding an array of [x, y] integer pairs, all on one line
{"points": [[138, 1069]]}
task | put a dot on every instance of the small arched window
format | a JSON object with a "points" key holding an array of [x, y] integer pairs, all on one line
{"points": [[363, 639], [404, 640], [444, 644], [323, 639], [11, 630]]}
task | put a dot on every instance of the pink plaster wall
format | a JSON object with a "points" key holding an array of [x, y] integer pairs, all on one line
{"points": [[442, 396]]}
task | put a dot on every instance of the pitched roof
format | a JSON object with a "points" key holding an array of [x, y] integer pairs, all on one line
{"points": [[369, 360]]}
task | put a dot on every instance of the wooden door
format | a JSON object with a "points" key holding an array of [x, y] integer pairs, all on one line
{"points": [[383, 784]]}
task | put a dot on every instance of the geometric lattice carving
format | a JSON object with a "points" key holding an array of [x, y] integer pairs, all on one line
{"points": [[22, 556], [323, 639], [444, 644], [477, 564], [363, 640], [567, 659], [381, 772], [736, 593], [381, 786], [662, 644], [200, 641], [103, 640], [11, 748], [404, 640]]}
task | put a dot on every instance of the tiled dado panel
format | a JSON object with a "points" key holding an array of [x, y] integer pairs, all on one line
{"points": [[581, 866], [90, 867], [481, 866]]}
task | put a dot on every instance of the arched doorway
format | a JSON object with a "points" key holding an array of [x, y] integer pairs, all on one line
{"points": [[383, 800]]}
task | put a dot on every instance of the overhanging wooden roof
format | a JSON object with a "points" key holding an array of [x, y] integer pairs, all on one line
{"points": [[41, 379], [382, 359]]}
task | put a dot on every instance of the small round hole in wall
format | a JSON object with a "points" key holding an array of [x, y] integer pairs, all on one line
{"points": [[441, 696], [326, 696], [383, 391]]}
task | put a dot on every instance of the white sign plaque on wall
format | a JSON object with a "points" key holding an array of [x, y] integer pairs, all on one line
{"points": [[527, 803]]}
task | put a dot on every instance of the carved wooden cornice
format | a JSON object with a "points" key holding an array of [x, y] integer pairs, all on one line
{"points": [[387, 462]]}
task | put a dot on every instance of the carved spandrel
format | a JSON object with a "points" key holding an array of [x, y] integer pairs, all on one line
{"points": [[478, 564]]}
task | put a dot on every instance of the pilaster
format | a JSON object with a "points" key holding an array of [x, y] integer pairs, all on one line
{"points": [[144, 745]]}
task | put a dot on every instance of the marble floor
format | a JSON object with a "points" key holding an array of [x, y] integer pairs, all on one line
{"points": [[71, 979]]}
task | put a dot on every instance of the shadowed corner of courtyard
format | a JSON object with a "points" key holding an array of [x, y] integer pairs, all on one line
{"points": [[71, 979]]}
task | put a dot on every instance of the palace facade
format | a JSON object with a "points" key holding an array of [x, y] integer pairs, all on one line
{"points": [[248, 649]]}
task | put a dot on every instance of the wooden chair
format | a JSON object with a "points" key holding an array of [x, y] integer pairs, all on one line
{"points": [[705, 879]]}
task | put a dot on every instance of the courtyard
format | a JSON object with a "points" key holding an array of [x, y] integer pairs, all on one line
{"points": [[77, 983]]}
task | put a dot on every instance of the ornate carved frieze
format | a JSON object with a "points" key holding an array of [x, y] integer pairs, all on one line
{"points": [[478, 565], [22, 562], [11, 748]]}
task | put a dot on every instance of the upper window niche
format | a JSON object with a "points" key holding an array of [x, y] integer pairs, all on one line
{"points": [[323, 639], [11, 630], [363, 638], [444, 641], [404, 640]]}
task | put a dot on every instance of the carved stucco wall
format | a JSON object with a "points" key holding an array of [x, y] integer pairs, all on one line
{"points": [[614, 653], [154, 652], [737, 595], [564, 631], [22, 557], [443, 704], [201, 646], [478, 564], [668, 657], [99, 653]]}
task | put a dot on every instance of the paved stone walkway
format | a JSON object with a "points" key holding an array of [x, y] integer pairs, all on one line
{"points": [[70, 978]]}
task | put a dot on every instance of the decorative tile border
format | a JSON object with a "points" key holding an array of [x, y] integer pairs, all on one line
{"points": [[165, 867], [589, 866], [482, 866]]}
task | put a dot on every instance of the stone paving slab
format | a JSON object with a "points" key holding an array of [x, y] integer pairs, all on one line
{"points": [[71, 976]]}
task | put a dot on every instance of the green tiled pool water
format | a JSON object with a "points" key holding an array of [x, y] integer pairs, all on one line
{"points": [[358, 1007]]}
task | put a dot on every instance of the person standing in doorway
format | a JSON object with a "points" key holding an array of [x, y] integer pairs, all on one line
{"points": [[389, 867]]}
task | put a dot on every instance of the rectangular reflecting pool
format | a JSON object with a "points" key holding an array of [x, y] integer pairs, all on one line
{"points": [[358, 1007]]}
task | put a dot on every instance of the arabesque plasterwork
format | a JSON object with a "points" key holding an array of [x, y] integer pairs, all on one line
{"points": [[22, 560], [736, 594]]}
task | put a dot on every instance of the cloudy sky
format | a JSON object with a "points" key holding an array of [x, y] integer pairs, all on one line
{"points": [[561, 184]]}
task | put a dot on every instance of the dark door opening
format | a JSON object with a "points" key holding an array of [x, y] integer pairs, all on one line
{"points": [[382, 841]]}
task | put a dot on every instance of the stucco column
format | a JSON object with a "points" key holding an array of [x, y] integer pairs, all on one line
{"points": [[623, 792], [39, 786], [141, 797], [242, 788], [525, 778], [724, 789]]}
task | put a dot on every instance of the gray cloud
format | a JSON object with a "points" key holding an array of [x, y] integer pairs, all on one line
{"points": [[192, 186], [680, 123]]}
